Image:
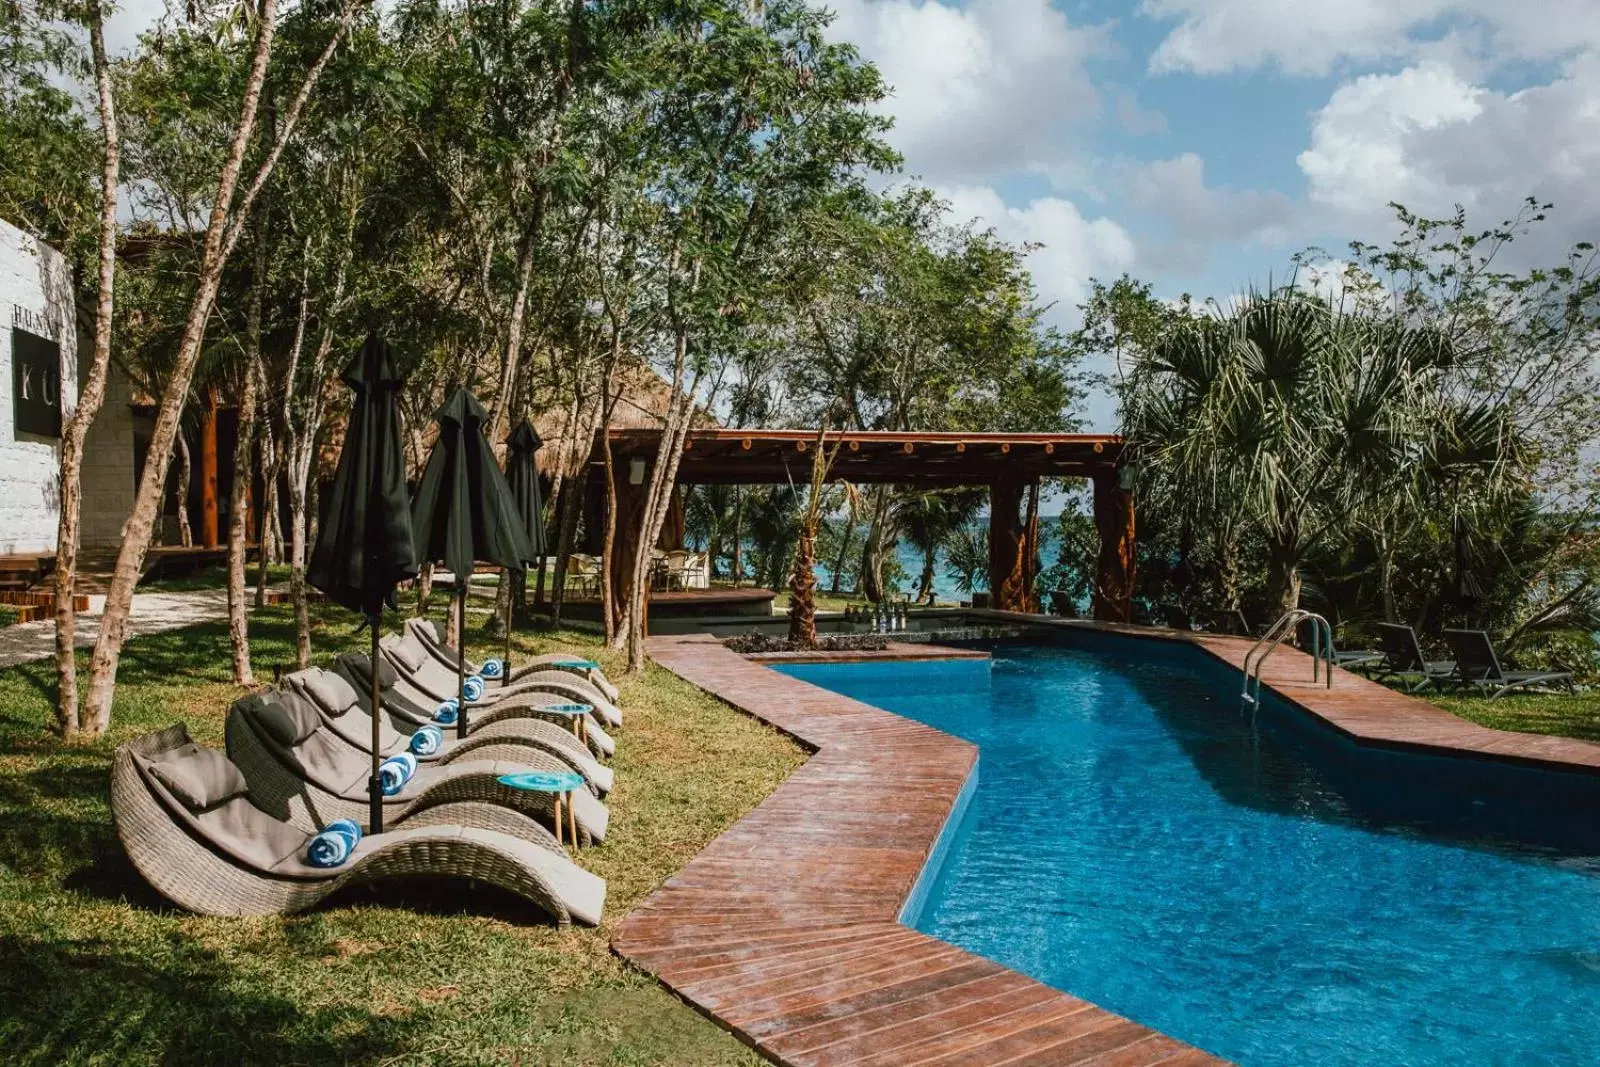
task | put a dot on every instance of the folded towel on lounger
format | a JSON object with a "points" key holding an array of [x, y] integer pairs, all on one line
{"points": [[395, 772], [472, 688], [333, 845], [427, 740], [447, 712], [492, 668]]}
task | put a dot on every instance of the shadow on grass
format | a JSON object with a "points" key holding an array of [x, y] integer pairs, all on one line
{"points": [[177, 1003]]}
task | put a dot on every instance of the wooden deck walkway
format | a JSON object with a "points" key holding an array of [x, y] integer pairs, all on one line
{"points": [[785, 930]]}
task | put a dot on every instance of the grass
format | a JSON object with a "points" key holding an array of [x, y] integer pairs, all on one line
{"points": [[214, 576], [1563, 714], [9, 615], [94, 968]]}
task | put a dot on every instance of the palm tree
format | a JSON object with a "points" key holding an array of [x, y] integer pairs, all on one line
{"points": [[929, 520]]}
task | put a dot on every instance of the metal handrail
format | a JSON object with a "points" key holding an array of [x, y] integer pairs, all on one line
{"points": [[1321, 650]]}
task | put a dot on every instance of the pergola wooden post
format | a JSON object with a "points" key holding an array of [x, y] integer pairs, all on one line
{"points": [[210, 526], [630, 524], [1114, 519], [1008, 546]]}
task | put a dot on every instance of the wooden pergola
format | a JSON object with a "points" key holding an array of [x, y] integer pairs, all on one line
{"points": [[1008, 464]]}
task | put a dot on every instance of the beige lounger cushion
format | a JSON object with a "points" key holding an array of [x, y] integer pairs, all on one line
{"points": [[201, 778], [288, 722]]}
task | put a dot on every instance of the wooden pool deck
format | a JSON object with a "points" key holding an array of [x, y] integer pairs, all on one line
{"points": [[785, 929]]}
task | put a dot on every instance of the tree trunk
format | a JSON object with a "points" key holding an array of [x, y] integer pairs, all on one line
{"points": [[297, 577], [803, 591], [185, 472], [736, 567], [1283, 577], [147, 502], [873, 549], [424, 588], [839, 562], [925, 582], [92, 393], [219, 239], [608, 546], [239, 493]]}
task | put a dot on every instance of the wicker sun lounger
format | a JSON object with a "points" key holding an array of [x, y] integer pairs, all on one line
{"points": [[300, 770], [411, 657], [186, 820], [428, 683], [407, 700], [1478, 667], [427, 631], [343, 708]]}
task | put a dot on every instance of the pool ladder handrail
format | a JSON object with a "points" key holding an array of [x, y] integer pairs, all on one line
{"points": [[1321, 651]]}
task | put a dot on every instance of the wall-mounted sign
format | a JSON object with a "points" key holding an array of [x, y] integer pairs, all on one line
{"points": [[35, 383]]}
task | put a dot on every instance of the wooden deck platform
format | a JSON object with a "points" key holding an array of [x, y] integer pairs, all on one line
{"points": [[785, 929]]}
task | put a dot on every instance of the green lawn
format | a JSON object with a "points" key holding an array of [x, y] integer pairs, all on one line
{"points": [[8, 615], [94, 968], [1568, 715], [214, 577]]}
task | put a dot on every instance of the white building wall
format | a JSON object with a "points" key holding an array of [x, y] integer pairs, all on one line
{"points": [[108, 486], [35, 293]]}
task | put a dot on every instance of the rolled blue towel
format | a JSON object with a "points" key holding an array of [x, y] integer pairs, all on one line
{"points": [[395, 772], [472, 689], [332, 847], [447, 713], [492, 668], [427, 740]]}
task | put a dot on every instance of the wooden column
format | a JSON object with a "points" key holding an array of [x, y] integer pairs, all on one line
{"points": [[210, 532], [1008, 587], [1114, 519]]}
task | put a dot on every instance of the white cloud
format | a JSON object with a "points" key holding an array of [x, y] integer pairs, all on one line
{"points": [[1430, 139], [1175, 190], [979, 89], [1308, 37], [1072, 249]]}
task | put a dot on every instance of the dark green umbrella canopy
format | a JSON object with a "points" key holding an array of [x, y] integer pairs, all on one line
{"points": [[364, 542], [463, 509], [523, 474]]}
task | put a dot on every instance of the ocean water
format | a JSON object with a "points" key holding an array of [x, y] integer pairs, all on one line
{"points": [[1260, 888]]}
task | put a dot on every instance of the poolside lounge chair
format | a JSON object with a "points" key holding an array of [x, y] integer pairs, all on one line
{"points": [[428, 632], [1478, 667], [187, 822], [1342, 657], [406, 699], [1404, 662], [1176, 618], [412, 659], [300, 770], [1232, 622], [344, 710]]}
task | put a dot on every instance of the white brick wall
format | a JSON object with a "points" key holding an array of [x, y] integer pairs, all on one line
{"points": [[33, 277]]}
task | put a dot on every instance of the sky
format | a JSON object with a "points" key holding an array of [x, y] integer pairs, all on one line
{"points": [[1198, 144]]}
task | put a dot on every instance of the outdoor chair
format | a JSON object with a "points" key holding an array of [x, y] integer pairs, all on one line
{"points": [[439, 685], [414, 705], [1176, 618], [188, 822], [433, 638], [1478, 667], [436, 677], [344, 710], [303, 772], [1404, 662]]}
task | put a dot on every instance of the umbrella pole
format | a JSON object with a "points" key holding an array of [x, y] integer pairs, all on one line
{"points": [[375, 784], [461, 660]]}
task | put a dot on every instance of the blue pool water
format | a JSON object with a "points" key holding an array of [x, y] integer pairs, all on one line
{"points": [[1266, 892]]}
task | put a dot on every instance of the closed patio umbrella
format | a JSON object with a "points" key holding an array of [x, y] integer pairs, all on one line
{"points": [[464, 512], [364, 541], [522, 472]]}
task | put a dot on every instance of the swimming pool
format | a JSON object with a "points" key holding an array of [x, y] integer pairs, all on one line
{"points": [[1264, 891]]}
